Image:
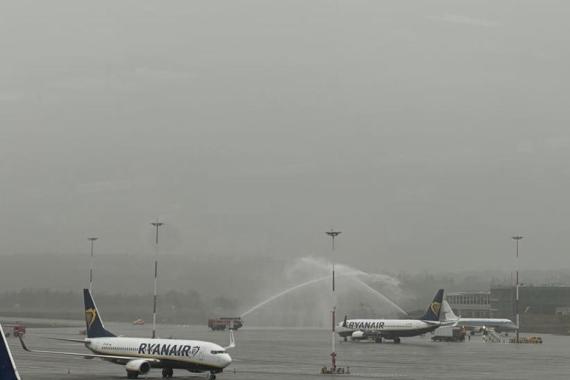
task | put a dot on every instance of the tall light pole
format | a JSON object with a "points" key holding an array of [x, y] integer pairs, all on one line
{"points": [[333, 234], [517, 239], [92, 240], [156, 224]]}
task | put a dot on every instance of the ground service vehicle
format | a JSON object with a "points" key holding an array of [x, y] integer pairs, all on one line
{"points": [[449, 334]]}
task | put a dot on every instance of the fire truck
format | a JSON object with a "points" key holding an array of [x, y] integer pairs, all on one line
{"points": [[225, 322], [18, 330]]}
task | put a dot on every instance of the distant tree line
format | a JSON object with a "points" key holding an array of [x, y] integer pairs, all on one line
{"points": [[175, 307]]}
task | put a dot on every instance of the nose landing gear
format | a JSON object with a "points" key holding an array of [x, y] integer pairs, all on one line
{"points": [[167, 372]]}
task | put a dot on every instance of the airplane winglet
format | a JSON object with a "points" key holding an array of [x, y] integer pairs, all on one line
{"points": [[8, 370]]}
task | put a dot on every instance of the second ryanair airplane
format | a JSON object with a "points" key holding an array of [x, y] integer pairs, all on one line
{"points": [[378, 329], [139, 355]]}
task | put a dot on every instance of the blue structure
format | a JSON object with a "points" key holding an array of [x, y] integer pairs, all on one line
{"points": [[8, 369]]}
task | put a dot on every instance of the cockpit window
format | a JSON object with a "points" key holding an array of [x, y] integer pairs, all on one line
{"points": [[218, 352]]}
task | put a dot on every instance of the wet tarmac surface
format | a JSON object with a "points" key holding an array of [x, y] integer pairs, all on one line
{"points": [[301, 353]]}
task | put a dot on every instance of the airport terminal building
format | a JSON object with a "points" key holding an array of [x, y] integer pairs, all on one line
{"points": [[470, 304], [542, 308], [532, 300]]}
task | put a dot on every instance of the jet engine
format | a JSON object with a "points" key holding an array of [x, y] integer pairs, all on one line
{"points": [[141, 366], [357, 335]]}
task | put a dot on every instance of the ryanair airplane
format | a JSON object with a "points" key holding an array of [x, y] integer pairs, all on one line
{"points": [[139, 355], [8, 369], [393, 329]]}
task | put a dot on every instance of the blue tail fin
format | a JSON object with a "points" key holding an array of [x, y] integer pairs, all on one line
{"points": [[95, 328], [434, 309], [8, 369]]}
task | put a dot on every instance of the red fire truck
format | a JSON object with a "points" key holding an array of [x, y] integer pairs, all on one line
{"points": [[18, 329], [225, 322]]}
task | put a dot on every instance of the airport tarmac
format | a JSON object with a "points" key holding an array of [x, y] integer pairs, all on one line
{"points": [[281, 354]]}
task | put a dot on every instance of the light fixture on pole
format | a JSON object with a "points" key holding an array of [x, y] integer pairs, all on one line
{"points": [[156, 224], [333, 234]]}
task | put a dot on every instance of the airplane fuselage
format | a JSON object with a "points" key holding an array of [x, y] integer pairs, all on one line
{"points": [[193, 355], [386, 328], [496, 323]]}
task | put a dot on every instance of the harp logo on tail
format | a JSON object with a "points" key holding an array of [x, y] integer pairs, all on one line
{"points": [[90, 316], [435, 307]]}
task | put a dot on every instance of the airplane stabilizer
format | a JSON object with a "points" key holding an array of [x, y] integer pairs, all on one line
{"points": [[8, 370]]}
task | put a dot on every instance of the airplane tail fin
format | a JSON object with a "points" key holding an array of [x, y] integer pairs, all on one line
{"points": [[8, 370], [434, 309], [448, 314], [344, 321], [93, 321]]}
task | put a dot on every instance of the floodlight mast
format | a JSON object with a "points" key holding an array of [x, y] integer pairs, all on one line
{"points": [[156, 224], [92, 241], [333, 234], [517, 239]]}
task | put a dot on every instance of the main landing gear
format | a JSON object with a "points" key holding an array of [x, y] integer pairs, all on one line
{"points": [[378, 339], [167, 372], [212, 376], [132, 374], [396, 340]]}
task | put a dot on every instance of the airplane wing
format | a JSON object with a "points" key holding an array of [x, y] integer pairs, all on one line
{"points": [[69, 339], [86, 356]]}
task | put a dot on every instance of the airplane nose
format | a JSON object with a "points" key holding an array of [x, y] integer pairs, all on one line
{"points": [[227, 360]]}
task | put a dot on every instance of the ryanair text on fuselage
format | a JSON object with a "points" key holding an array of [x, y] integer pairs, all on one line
{"points": [[168, 350], [366, 325]]}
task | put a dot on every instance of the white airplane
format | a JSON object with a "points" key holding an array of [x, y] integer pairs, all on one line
{"points": [[8, 370], [499, 324], [378, 329], [139, 355]]}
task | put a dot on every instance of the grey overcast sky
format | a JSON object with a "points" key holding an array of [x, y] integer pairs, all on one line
{"points": [[429, 132]]}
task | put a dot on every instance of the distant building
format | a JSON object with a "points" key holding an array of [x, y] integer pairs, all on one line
{"points": [[470, 304], [543, 300], [542, 309]]}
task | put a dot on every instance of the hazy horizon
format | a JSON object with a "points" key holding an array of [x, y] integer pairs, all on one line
{"points": [[429, 133]]}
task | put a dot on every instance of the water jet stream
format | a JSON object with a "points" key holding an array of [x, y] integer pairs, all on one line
{"points": [[284, 292], [352, 275], [376, 292]]}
